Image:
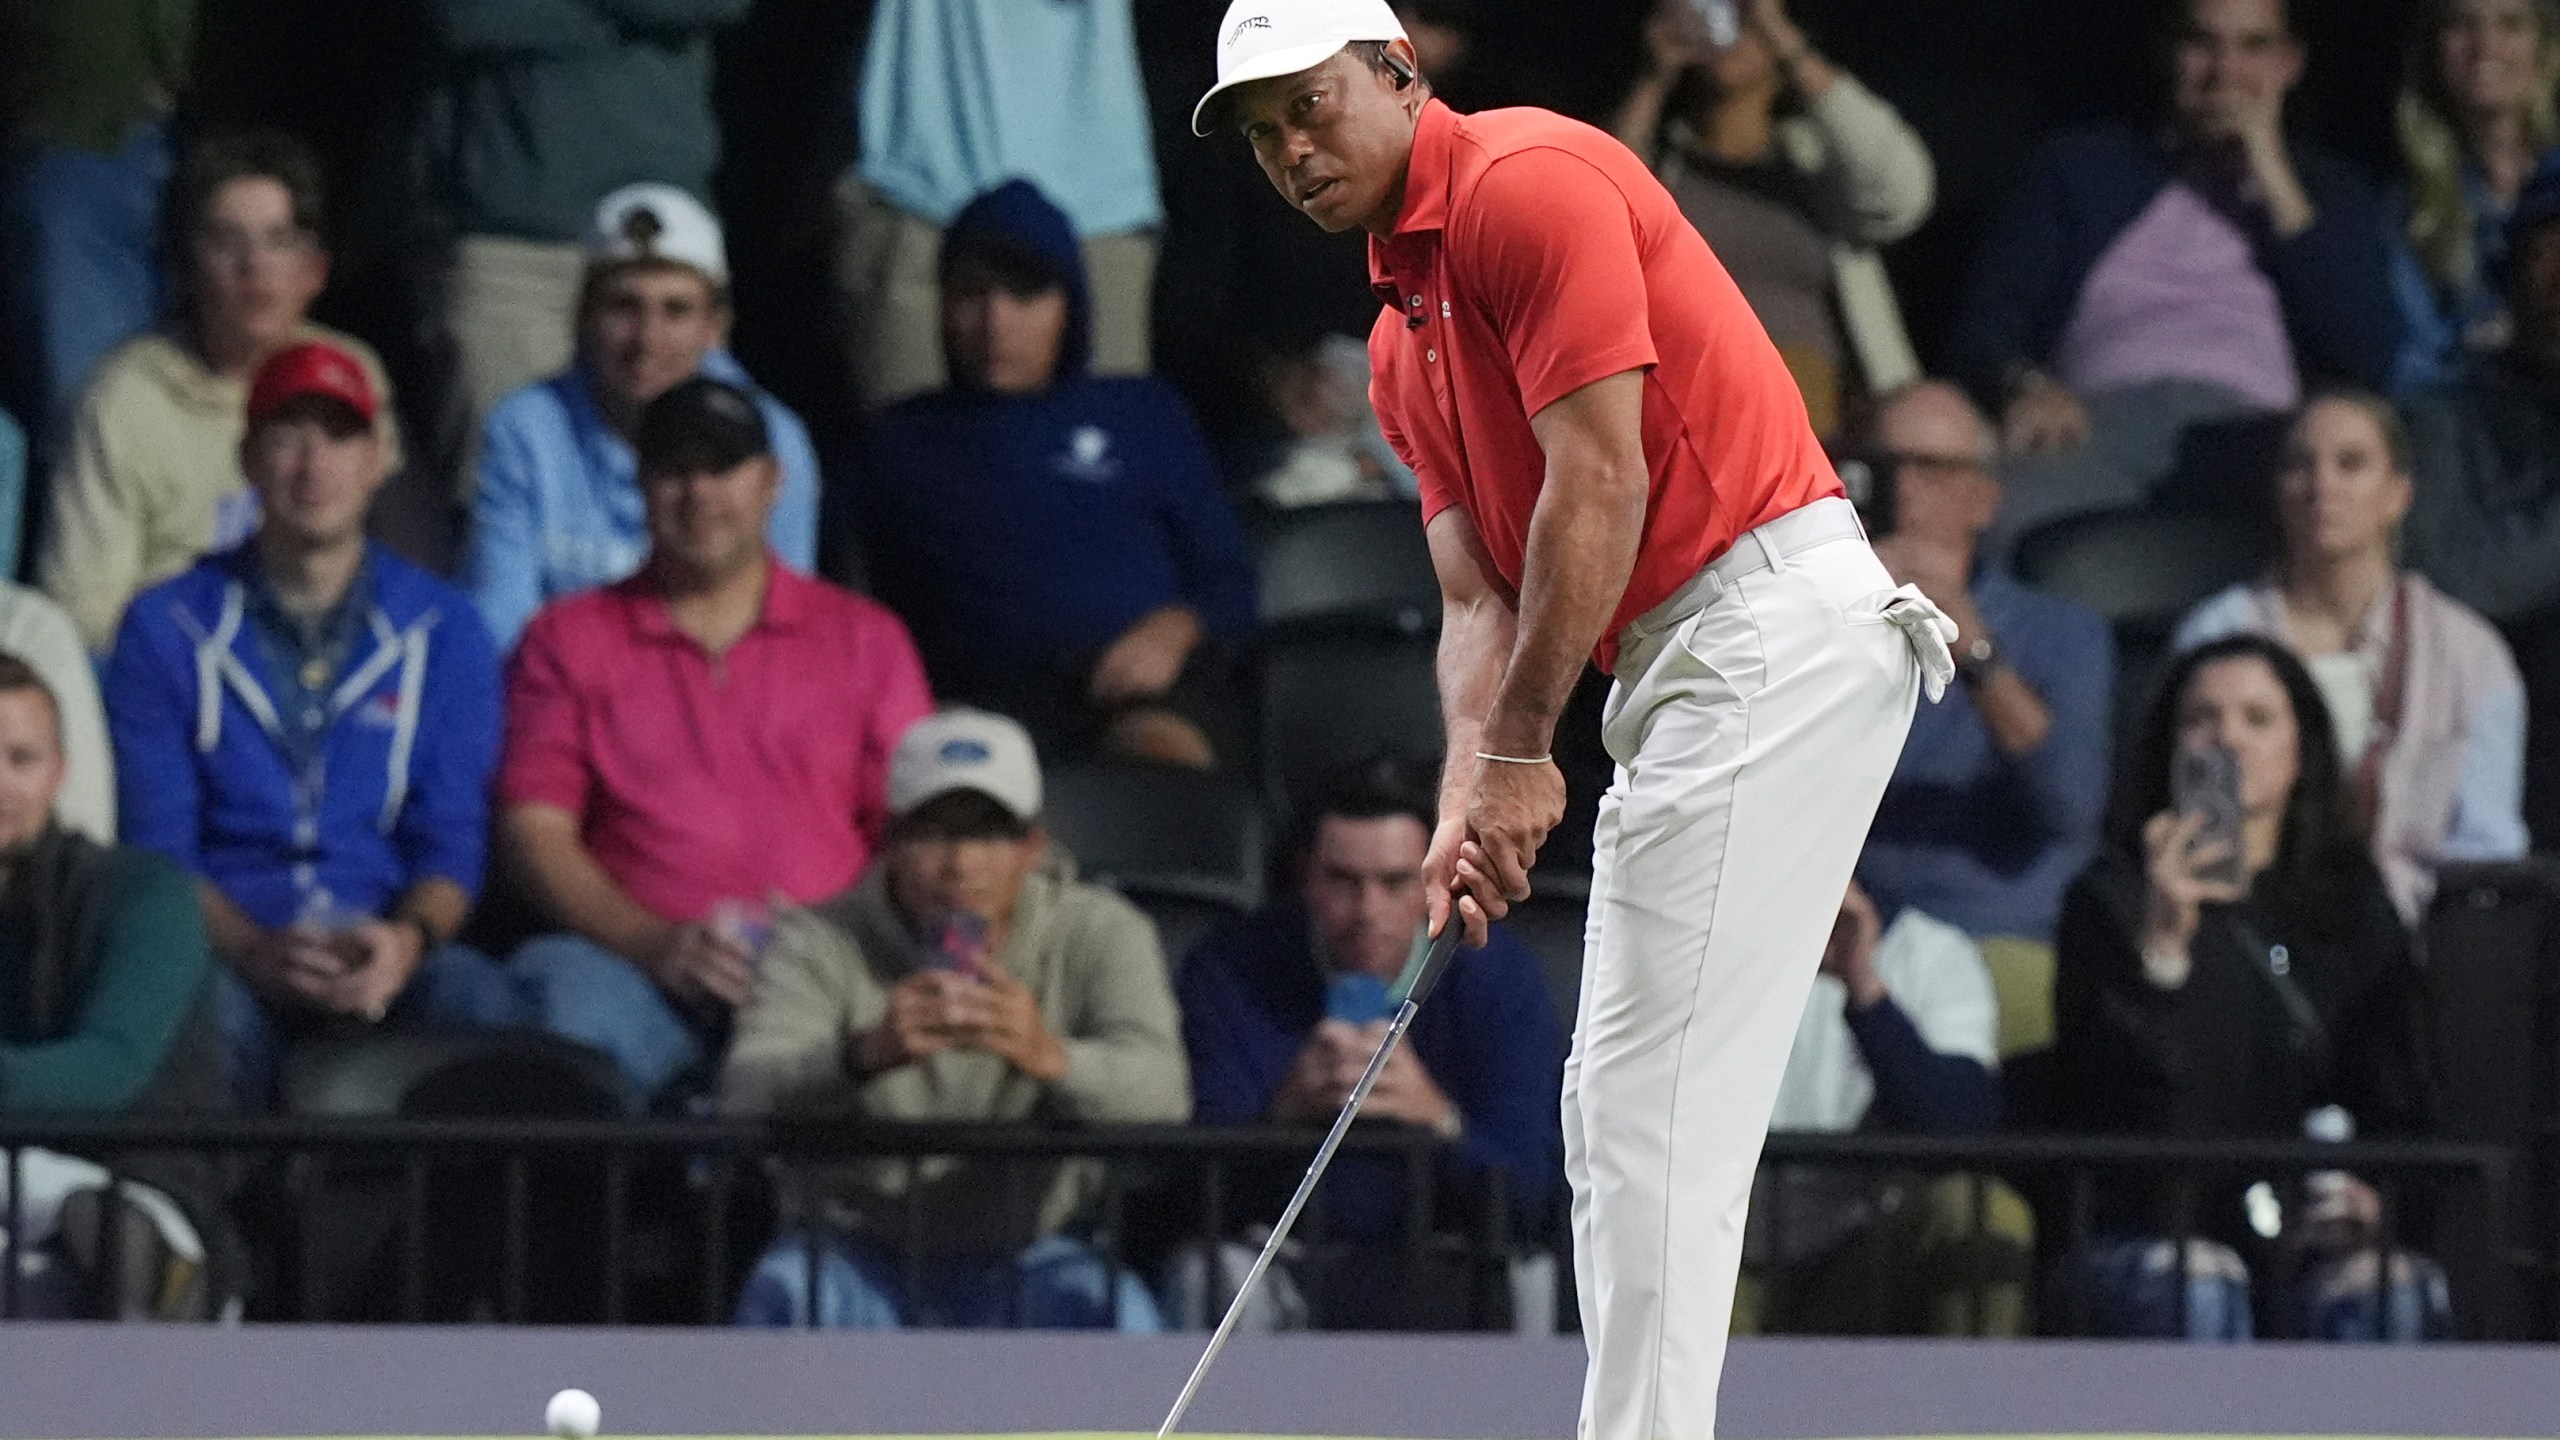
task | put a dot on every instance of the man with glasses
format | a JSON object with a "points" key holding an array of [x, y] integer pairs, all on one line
{"points": [[1997, 801], [148, 477]]}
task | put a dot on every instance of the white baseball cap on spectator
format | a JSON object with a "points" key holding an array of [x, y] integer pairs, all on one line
{"points": [[658, 222], [963, 749], [1265, 39]]}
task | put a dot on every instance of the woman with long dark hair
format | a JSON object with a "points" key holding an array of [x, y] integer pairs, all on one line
{"points": [[2257, 987]]}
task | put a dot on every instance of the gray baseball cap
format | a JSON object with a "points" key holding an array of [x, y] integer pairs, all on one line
{"points": [[962, 749]]}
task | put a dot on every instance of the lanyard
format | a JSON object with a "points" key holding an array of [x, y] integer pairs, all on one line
{"points": [[2390, 696]]}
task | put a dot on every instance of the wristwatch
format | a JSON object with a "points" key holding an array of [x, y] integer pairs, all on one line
{"points": [[1977, 658]]}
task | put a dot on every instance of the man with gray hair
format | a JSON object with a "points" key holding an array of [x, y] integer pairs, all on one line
{"points": [[1997, 801]]}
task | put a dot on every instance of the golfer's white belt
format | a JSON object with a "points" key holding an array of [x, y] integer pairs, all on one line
{"points": [[1799, 530]]}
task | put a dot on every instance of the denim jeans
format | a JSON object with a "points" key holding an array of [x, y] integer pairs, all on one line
{"points": [[579, 990], [84, 237], [2133, 1290], [1056, 1284], [456, 988]]}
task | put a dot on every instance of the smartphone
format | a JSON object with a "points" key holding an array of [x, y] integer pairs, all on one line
{"points": [[747, 924], [959, 944], [2205, 783], [1357, 999], [1719, 20]]}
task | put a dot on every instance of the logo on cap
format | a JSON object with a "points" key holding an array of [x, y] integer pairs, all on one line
{"points": [[642, 227], [963, 752], [1250, 22]]}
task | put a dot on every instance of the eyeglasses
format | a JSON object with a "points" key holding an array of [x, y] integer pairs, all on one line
{"points": [[1897, 461]]}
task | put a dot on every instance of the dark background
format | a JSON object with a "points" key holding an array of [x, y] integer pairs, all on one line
{"points": [[1983, 80]]}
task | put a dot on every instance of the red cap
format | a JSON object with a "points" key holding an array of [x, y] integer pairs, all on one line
{"points": [[312, 368]]}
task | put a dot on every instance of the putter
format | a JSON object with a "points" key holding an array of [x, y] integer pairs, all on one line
{"points": [[1434, 961]]}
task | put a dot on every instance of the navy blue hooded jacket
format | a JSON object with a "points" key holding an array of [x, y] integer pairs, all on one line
{"points": [[1034, 528]]}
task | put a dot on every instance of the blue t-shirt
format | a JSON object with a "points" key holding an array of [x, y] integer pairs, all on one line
{"points": [[958, 96]]}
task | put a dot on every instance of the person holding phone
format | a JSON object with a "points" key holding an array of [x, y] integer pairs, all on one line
{"points": [[2228, 979], [967, 978], [2426, 701], [1795, 173], [1282, 1009]]}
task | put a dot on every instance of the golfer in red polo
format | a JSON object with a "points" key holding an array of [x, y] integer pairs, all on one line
{"points": [[1615, 461]]}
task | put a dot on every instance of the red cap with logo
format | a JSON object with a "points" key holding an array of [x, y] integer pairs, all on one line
{"points": [[312, 368]]}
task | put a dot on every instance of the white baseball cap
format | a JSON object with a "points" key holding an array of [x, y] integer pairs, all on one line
{"points": [[658, 222], [1264, 39], [962, 749]]}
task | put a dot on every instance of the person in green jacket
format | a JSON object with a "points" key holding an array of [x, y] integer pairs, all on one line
{"points": [[105, 1008], [968, 977]]}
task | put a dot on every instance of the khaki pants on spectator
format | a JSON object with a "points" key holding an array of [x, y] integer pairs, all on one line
{"points": [[1928, 1263], [2022, 979], [512, 309], [886, 265]]}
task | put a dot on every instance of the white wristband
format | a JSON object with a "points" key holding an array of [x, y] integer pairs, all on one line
{"points": [[1514, 759]]}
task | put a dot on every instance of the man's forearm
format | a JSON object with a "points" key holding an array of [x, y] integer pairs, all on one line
{"points": [[231, 932], [576, 889], [436, 903], [2016, 716], [1476, 642], [1582, 548]]}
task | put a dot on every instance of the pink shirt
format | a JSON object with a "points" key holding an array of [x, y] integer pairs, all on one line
{"points": [[2179, 296], [698, 778]]}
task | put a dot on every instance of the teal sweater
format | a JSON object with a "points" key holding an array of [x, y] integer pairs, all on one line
{"points": [[148, 974], [544, 107]]}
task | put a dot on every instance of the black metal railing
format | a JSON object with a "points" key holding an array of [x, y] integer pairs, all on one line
{"points": [[2450, 1199], [486, 1175], [308, 1163]]}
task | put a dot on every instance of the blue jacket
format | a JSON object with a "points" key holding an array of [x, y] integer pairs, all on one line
{"points": [[1982, 841], [400, 793], [2087, 187], [1251, 993], [558, 508], [1034, 527]]}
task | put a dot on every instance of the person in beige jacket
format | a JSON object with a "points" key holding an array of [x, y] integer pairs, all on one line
{"points": [[149, 476], [1795, 173], [968, 978]]}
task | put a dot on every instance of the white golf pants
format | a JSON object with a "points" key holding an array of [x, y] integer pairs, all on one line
{"points": [[1756, 718]]}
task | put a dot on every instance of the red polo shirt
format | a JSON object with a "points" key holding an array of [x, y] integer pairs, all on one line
{"points": [[697, 778], [1534, 255]]}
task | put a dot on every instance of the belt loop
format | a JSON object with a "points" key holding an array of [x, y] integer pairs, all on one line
{"points": [[1769, 548]]}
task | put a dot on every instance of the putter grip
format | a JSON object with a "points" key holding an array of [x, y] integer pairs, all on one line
{"points": [[1435, 961]]}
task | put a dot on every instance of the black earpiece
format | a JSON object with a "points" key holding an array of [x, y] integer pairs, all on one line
{"points": [[1402, 72]]}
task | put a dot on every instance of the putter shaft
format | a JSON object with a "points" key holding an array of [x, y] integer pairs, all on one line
{"points": [[1434, 962]]}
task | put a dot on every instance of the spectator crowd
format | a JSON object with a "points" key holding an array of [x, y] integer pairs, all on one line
{"points": [[560, 678]]}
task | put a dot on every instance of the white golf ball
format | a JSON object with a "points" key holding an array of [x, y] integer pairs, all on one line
{"points": [[573, 1415]]}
